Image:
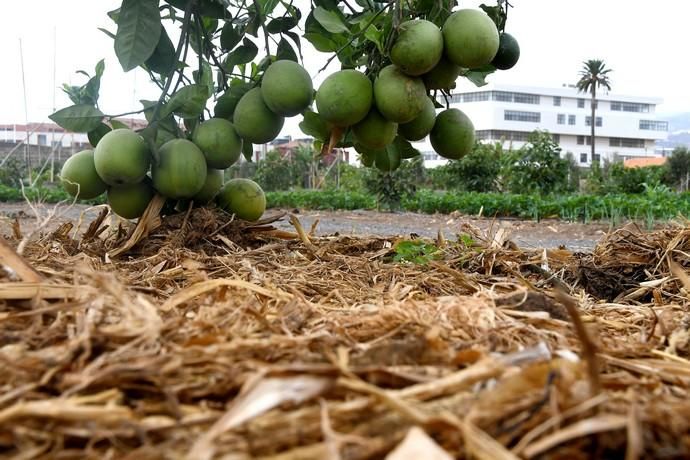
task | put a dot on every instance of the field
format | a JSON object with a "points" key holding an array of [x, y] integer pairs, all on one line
{"points": [[198, 337]]}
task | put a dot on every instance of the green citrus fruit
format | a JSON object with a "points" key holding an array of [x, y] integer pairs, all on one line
{"points": [[242, 197], [374, 131], [79, 177], [387, 159], [287, 88], [219, 141], [254, 121], [121, 157], [399, 97], [420, 127], [130, 201], [470, 38], [181, 169], [212, 185], [442, 76], [418, 48], [366, 156], [508, 52], [344, 98], [453, 134]]}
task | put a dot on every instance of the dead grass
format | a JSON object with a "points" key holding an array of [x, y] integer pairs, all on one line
{"points": [[214, 338]]}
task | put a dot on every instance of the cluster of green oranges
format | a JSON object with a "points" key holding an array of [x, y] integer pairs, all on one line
{"points": [[121, 165], [423, 58]]}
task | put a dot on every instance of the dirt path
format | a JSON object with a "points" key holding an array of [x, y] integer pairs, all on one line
{"points": [[527, 234]]}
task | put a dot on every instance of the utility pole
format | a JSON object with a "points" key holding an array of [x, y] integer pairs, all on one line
{"points": [[52, 140], [27, 159]]}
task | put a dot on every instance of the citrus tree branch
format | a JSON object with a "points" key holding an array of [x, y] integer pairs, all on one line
{"points": [[357, 35]]}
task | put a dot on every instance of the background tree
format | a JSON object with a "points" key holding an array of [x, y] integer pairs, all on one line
{"points": [[677, 169], [537, 167], [593, 75]]}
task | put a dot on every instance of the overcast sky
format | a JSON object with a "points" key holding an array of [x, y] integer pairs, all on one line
{"points": [[645, 43]]}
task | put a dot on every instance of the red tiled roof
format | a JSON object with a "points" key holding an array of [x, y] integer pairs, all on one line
{"points": [[642, 162]]}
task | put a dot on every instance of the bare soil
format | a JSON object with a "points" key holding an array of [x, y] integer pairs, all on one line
{"points": [[547, 234]]}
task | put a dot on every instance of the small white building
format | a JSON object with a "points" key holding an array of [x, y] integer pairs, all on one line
{"points": [[626, 126]]}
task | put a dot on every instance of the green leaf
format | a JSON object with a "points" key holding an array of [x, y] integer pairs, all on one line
{"points": [[243, 54], [117, 124], [107, 32], [478, 76], [321, 42], [187, 102], [210, 8], [285, 51], [295, 39], [230, 36], [162, 61], [95, 135], [313, 125], [330, 20], [267, 6], [375, 35], [206, 76], [247, 150], [404, 148], [80, 118], [280, 25], [497, 15], [138, 31]]}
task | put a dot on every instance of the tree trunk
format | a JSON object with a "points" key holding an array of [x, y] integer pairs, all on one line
{"points": [[593, 121]]}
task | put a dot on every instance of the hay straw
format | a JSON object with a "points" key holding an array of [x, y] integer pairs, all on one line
{"points": [[203, 336]]}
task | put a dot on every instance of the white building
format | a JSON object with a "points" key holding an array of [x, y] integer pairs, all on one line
{"points": [[626, 126]]}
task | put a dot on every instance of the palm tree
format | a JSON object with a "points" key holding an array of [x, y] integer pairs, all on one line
{"points": [[592, 76]]}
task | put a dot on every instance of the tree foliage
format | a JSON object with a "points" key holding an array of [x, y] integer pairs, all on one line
{"points": [[537, 167], [677, 169], [223, 48]]}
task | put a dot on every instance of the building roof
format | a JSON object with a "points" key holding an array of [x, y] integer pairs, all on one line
{"points": [[563, 91], [642, 162], [50, 127]]}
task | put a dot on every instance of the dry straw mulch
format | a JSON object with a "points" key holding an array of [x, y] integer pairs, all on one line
{"points": [[200, 337]]}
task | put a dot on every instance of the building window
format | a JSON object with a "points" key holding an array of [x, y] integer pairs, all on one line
{"points": [[596, 157], [42, 139], [618, 106], [561, 119], [482, 134], [583, 158], [557, 100], [588, 121], [522, 98], [430, 156], [626, 142], [653, 125], [571, 119], [580, 103], [582, 140], [556, 138], [502, 135], [516, 115]]}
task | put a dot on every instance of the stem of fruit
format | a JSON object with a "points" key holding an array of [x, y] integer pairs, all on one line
{"points": [[336, 136]]}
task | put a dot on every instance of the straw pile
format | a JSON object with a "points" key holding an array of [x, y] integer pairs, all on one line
{"points": [[208, 338]]}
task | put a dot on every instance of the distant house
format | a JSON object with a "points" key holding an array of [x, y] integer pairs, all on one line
{"points": [[287, 147]]}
